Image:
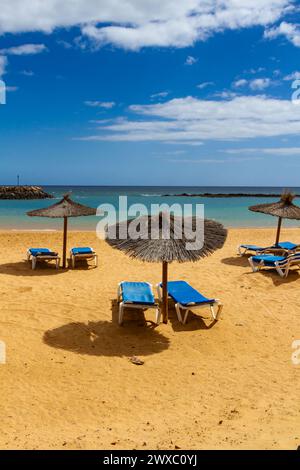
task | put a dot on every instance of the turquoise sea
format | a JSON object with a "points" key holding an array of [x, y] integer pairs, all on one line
{"points": [[232, 212]]}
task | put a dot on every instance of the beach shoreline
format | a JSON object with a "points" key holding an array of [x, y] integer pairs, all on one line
{"points": [[231, 212], [93, 230], [68, 382]]}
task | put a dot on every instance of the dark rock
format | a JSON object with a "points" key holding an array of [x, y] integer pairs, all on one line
{"points": [[224, 195], [23, 192]]}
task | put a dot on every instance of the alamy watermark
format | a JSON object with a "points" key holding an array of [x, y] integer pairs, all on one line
{"points": [[2, 92], [188, 222], [296, 94]]}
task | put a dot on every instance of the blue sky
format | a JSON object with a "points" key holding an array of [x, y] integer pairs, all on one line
{"points": [[146, 94]]}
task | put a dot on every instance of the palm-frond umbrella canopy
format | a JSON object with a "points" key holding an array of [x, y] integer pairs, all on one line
{"points": [[165, 238], [64, 209], [283, 209]]}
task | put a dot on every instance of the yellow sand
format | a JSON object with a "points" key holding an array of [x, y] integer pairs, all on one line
{"points": [[68, 382]]}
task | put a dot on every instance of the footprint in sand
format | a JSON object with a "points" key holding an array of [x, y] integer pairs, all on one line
{"points": [[24, 289]]}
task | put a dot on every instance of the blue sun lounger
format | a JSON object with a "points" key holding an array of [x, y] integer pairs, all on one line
{"points": [[279, 248], [79, 253], [42, 254], [137, 295], [282, 264], [186, 297]]}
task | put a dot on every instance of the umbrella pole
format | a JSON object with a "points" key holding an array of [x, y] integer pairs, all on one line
{"points": [[165, 292], [278, 230], [65, 241]]}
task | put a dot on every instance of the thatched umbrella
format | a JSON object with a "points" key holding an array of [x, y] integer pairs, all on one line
{"points": [[64, 209], [165, 238], [283, 209]]}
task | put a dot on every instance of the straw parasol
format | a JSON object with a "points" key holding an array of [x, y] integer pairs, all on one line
{"points": [[64, 209], [158, 241], [283, 209]]}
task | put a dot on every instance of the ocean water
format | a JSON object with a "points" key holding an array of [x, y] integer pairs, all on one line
{"points": [[232, 212]]}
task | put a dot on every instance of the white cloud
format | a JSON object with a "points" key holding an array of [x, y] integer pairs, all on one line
{"points": [[193, 120], [11, 88], [27, 73], [289, 30], [3, 65], [281, 151], [260, 83], [240, 83], [255, 84], [24, 49], [216, 161], [254, 71], [64, 44], [203, 85], [133, 24], [161, 94], [100, 104], [292, 76], [226, 94], [190, 60]]}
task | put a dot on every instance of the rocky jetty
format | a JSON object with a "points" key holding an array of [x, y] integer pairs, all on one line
{"points": [[23, 192], [218, 195]]}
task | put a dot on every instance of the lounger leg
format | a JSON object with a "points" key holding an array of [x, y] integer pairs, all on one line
{"points": [[177, 308], [96, 260], [212, 311], [280, 272], [157, 312], [33, 262], [73, 261], [159, 292], [185, 316], [214, 315], [254, 267], [220, 308], [57, 263], [121, 313], [119, 293]]}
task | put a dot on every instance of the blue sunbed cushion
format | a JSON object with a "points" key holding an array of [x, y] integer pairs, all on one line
{"points": [[185, 294], [283, 245], [137, 293], [287, 245], [84, 250], [269, 260], [35, 251], [253, 247]]}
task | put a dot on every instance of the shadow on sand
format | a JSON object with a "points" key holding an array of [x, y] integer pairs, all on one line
{"points": [[105, 338], [293, 276], [43, 268], [23, 268], [82, 265], [195, 321], [241, 261]]}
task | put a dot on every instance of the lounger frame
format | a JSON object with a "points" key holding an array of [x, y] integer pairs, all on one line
{"points": [[282, 267], [277, 251], [241, 250], [42, 257], [143, 307], [87, 256], [192, 305]]}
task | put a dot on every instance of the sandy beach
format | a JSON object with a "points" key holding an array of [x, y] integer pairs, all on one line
{"points": [[68, 382]]}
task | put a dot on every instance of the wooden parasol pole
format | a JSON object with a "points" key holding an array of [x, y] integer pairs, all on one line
{"points": [[165, 291], [65, 241], [278, 230]]}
